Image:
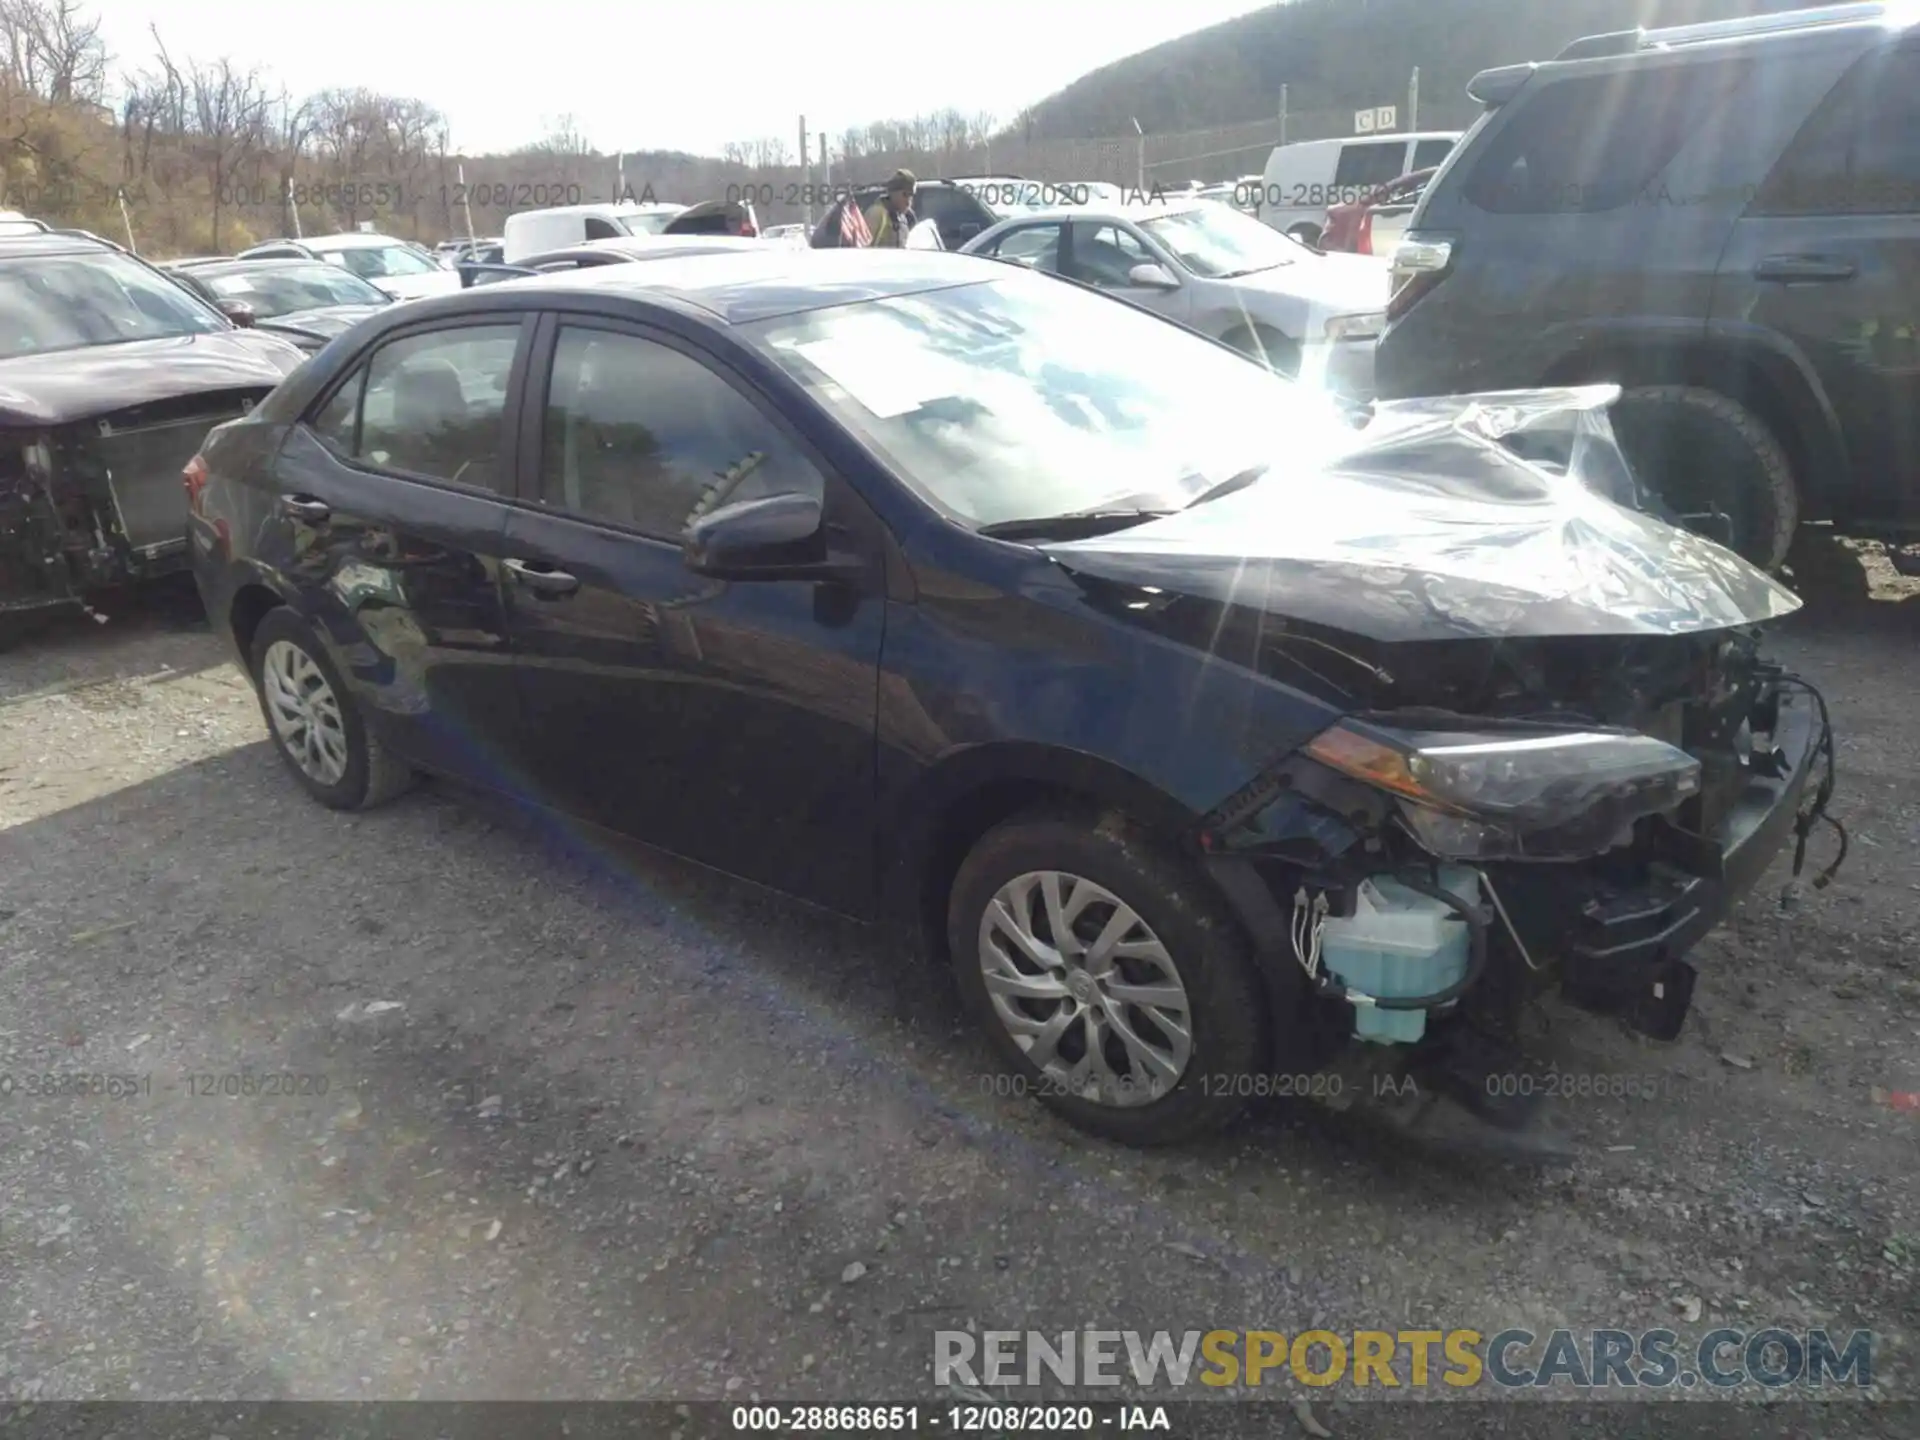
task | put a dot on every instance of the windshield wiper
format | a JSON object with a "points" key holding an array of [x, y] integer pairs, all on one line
{"points": [[1230, 484], [1078, 525]]}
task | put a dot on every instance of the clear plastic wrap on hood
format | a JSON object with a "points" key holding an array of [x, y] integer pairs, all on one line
{"points": [[1507, 514]]}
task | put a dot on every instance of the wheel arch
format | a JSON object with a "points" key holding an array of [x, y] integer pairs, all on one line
{"points": [[940, 819], [1761, 373]]}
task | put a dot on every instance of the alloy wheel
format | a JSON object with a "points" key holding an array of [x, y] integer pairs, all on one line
{"points": [[1085, 989], [305, 712]]}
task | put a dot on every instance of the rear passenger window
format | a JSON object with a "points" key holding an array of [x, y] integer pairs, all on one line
{"points": [[1597, 142], [333, 425], [1362, 167], [429, 405], [1860, 153], [598, 229]]}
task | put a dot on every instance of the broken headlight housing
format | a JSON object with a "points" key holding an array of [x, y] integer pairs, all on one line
{"points": [[1521, 793]]}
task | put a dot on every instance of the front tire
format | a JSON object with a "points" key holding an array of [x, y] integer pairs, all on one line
{"points": [[1113, 984], [316, 727], [1703, 453], [1267, 347]]}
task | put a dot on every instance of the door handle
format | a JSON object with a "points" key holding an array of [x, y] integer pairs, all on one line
{"points": [[542, 578], [305, 507], [1804, 268]]}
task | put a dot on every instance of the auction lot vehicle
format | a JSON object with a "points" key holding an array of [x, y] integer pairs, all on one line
{"points": [[1205, 265], [306, 301], [1374, 224], [1724, 219], [1235, 736], [605, 252], [536, 232], [960, 208], [402, 269], [110, 375], [1307, 178]]}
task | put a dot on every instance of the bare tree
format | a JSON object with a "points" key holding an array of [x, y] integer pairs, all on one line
{"points": [[52, 51], [228, 116]]}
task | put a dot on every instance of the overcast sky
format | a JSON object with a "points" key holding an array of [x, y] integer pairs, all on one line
{"points": [[676, 76]]}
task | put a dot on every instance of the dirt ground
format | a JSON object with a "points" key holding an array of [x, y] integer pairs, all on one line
{"points": [[597, 1125]]}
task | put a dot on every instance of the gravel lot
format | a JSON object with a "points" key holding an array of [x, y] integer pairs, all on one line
{"points": [[597, 1125]]}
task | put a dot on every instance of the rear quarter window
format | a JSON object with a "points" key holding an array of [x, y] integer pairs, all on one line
{"points": [[1593, 143]]}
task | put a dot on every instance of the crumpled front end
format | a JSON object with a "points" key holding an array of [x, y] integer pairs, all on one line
{"points": [[1562, 756], [99, 502]]}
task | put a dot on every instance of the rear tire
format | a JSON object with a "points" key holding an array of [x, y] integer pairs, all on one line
{"points": [[1701, 452], [315, 725], [1151, 1037]]}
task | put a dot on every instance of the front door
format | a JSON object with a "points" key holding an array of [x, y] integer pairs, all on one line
{"points": [[1105, 255], [1828, 256], [389, 512], [731, 722]]}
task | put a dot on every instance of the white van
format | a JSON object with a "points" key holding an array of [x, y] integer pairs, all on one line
{"points": [[1304, 179], [534, 232]]}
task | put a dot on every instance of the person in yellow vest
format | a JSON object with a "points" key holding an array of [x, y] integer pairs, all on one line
{"points": [[891, 216]]}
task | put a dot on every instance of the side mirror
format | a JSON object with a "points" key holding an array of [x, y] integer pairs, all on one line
{"points": [[239, 312], [777, 537], [1152, 277]]}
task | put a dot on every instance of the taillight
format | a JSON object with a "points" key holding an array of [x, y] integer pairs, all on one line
{"points": [[1419, 265], [194, 477]]}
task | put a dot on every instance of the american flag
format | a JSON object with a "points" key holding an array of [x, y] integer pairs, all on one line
{"points": [[853, 224]]}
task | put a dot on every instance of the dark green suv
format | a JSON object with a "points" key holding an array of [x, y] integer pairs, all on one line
{"points": [[1724, 219]]}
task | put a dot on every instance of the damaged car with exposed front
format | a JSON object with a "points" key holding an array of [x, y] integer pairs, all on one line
{"points": [[1225, 741], [110, 376]]}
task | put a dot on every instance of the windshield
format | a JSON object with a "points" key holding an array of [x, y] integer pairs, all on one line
{"points": [[379, 262], [1218, 242], [1021, 398], [70, 302], [276, 290]]}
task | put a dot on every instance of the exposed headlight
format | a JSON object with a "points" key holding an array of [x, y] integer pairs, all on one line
{"points": [[1357, 327], [1519, 794]]}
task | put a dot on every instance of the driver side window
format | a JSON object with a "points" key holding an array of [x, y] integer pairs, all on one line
{"points": [[644, 436]]}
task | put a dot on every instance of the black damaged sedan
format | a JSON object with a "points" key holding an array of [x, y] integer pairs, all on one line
{"points": [[1217, 737]]}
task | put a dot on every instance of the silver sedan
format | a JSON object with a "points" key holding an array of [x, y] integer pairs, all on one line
{"points": [[1211, 268]]}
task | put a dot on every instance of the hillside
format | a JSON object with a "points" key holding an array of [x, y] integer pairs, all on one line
{"points": [[1337, 56]]}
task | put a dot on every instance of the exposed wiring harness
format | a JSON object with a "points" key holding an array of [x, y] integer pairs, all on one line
{"points": [[1815, 810]]}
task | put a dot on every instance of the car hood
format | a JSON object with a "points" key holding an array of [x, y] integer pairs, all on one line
{"points": [[79, 384], [1469, 517], [418, 287], [326, 322], [1334, 284]]}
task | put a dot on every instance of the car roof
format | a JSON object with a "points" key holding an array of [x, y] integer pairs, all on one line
{"points": [[346, 240], [226, 263], [646, 247], [1097, 210], [772, 281], [16, 244]]}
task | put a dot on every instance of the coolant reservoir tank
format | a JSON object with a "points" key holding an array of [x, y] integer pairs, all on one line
{"points": [[1399, 943]]}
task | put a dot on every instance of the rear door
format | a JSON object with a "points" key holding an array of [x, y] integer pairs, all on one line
{"points": [[732, 722], [390, 509], [1828, 256]]}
